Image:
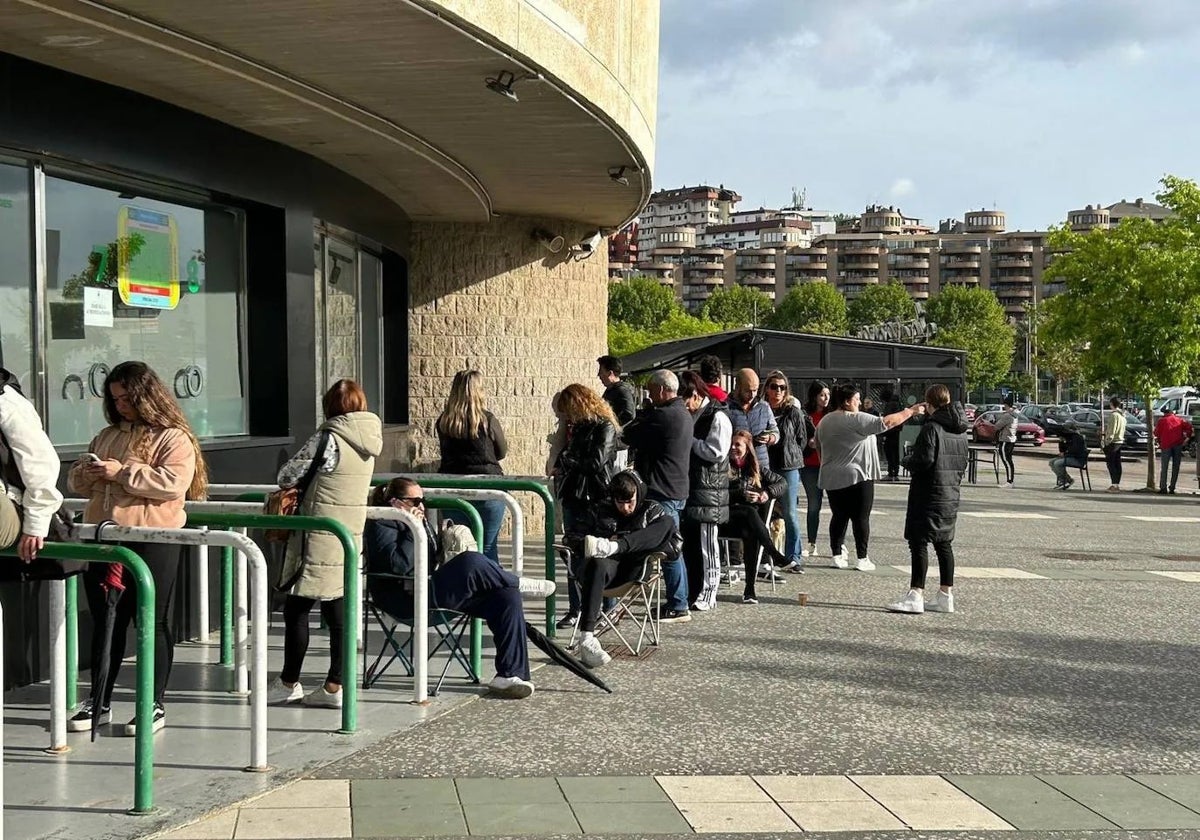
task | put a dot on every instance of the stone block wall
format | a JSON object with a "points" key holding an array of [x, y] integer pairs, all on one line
{"points": [[487, 296]]}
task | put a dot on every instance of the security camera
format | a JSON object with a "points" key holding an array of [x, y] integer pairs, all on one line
{"points": [[550, 241], [591, 243]]}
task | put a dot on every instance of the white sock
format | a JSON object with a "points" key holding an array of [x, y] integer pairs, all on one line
{"points": [[586, 636]]}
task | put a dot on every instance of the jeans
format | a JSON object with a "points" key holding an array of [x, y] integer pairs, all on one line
{"points": [[675, 582], [792, 539], [813, 496], [1060, 464], [851, 506], [1172, 456], [1112, 458], [492, 513]]}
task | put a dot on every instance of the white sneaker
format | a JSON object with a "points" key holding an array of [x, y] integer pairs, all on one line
{"points": [[592, 654], [812, 550], [323, 699], [279, 694], [864, 564], [536, 587], [913, 602], [513, 688], [840, 561], [941, 602], [598, 547]]}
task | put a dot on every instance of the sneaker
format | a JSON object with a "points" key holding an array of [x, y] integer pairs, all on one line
{"points": [[812, 550], [598, 547], [536, 587], [592, 654], [794, 568], [323, 699], [666, 616], [281, 694], [766, 572], [864, 564], [567, 621], [514, 688], [913, 602], [158, 721], [749, 599], [1112, 488], [840, 561], [1009, 485], [81, 721], [941, 602]]}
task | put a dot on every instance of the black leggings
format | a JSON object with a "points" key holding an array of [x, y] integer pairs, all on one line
{"points": [[295, 637], [746, 524], [851, 506], [163, 561], [920, 562], [1006, 453], [1112, 457]]}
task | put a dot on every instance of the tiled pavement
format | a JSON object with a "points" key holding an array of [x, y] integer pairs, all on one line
{"points": [[640, 806]]}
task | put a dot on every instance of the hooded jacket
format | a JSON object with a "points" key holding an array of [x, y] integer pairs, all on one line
{"points": [[937, 463], [649, 528], [341, 495]]}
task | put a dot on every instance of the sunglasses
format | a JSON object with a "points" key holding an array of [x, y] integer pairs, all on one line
{"points": [[776, 386], [413, 501]]}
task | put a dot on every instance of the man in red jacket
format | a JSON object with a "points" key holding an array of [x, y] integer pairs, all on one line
{"points": [[1172, 433]]}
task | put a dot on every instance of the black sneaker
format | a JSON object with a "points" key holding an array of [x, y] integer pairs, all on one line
{"points": [[158, 721], [666, 616], [81, 721], [567, 621]]}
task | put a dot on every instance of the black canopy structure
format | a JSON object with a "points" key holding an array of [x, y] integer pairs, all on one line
{"points": [[874, 365]]}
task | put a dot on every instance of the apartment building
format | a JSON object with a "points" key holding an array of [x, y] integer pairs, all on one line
{"points": [[623, 252], [696, 207]]}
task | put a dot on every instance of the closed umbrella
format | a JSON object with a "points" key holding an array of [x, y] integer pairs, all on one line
{"points": [[114, 587], [560, 656]]}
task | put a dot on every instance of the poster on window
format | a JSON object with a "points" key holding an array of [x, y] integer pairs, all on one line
{"points": [[147, 258]]}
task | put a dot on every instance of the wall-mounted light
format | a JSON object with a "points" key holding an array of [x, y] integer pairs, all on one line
{"points": [[551, 242], [502, 83]]}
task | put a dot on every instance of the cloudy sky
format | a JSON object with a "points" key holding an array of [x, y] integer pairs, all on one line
{"points": [[938, 106]]}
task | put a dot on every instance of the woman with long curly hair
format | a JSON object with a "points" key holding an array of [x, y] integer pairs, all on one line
{"points": [[751, 486], [137, 471], [472, 443], [585, 465]]}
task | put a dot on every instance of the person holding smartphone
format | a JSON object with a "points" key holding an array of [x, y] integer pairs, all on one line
{"points": [[138, 471], [750, 413]]}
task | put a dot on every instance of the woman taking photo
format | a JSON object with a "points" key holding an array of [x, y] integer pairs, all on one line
{"points": [[787, 457], [815, 407], [344, 448], [750, 488], [138, 470], [472, 443], [850, 468], [584, 466]]}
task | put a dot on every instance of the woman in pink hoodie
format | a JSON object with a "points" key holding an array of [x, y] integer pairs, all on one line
{"points": [[138, 470]]}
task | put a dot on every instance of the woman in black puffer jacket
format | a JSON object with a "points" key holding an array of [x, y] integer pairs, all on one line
{"points": [[750, 488], [937, 463], [584, 467]]}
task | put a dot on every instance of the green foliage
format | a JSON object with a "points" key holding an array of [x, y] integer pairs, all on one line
{"points": [[640, 302], [110, 259], [880, 303], [972, 319], [737, 307], [624, 339], [812, 308]]}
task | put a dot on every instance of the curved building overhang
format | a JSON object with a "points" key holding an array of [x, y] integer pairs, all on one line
{"points": [[392, 92]]}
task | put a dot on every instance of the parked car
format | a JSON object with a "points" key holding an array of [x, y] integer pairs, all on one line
{"points": [[1049, 417], [970, 410], [983, 430], [1137, 436]]}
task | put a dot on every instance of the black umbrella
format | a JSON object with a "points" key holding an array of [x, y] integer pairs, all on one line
{"points": [[560, 656]]}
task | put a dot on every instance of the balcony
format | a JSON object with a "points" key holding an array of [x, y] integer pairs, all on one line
{"points": [[960, 263], [914, 252], [1014, 262], [905, 265], [1012, 279], [1006, 292], [1013, 248], [952, 248], [861, 249], [705, 265]]}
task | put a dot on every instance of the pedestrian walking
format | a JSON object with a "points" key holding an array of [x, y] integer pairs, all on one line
{"points": [[1113, 441], [937, 463], [1007, 423]]}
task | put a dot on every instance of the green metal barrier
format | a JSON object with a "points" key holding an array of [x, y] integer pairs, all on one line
{"points": [[349, 579], [143, 749], [462, 505], [72, 631], [508, 484], [226, 605]]}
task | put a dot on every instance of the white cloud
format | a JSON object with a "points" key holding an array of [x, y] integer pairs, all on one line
{"points": [[902, 187]]}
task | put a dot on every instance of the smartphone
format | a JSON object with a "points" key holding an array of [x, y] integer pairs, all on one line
{"points": [[91, 456]]}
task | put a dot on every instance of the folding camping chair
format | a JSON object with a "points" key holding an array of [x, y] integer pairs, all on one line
{"points": [[449, 625], [728, 573], [636, 604]]}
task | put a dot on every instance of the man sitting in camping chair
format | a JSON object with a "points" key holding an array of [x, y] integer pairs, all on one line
{"points": [[467, 582], [617, 539]]}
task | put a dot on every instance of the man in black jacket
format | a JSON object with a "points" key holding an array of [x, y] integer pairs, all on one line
{"points": [[618, 393], [661, 438], [1074, 454], [618, 537]]}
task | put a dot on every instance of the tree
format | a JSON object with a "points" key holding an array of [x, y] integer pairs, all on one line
{"points": [[811, 307], [972, 319], [640, 302], [881, 303], [1131, 299], [624, 339], [737, 306]]}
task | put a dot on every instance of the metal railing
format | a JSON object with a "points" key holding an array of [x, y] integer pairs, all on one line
{"points": [[143, 748]]}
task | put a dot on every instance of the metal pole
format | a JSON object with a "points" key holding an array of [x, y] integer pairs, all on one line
{"points": [[241, 610], [420, 627], [58, 667], [72, 627], [200, 565], [226, 606]]}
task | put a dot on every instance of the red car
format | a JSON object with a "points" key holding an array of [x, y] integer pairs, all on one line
{"points": [[984, 430]]}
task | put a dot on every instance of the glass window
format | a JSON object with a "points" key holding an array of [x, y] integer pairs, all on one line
{"points": [[16, 280], [130, 277]]}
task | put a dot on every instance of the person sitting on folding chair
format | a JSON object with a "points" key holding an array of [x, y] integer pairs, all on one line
{"points": [[618, 536], [469, 582], [751, 487]]}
